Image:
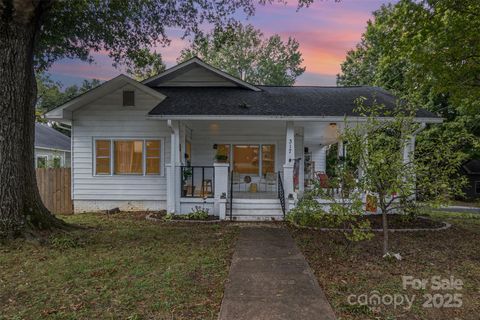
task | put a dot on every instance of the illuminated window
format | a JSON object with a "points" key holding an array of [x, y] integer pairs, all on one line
{"points": [[102, 157], [268, 158], [246, 159], [153, 156], [188, 151], [128, 156]]}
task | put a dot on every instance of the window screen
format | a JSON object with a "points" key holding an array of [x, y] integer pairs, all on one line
{"points": [[268, 158], [102, 155], [153, 156]]}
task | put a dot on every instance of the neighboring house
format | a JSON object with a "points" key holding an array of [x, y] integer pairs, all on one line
{"points": [[52, 148], [472, 172], [193, 134]]}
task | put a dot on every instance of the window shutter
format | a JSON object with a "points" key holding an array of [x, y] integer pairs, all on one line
{"points": [[128, 98]]}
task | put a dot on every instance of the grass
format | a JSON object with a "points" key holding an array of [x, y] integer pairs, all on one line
{"points": [[118, 267], [359, 269]]}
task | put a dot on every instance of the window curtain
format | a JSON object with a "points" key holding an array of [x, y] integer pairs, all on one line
{"points": [[128, 157]]}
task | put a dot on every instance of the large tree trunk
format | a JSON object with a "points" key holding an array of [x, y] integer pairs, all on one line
{"points": [[21, 209]]}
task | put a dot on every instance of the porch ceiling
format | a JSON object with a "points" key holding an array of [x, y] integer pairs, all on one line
{"points": [[314, 132]]}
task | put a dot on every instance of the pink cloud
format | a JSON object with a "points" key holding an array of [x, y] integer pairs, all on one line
{"points": [[84, 70]]}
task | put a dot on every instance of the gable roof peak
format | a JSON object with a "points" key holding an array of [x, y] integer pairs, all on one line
{"points": [[186, 65]]}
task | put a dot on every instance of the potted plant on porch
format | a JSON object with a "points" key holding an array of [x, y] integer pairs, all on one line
{"points": [[221, 158]]}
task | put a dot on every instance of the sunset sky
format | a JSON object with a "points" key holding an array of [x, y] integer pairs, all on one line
{"points": [[325, 31]]}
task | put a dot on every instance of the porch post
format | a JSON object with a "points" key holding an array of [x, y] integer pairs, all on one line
{"points": [[183, 143], [409, 152], [289, 159], [173, 169], [300, 146], [221, 188], [341, 150]]}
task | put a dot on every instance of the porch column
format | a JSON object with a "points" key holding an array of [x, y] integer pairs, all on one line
{"points": [[409, 151], [173, 169], [183, 143], [300, 154], [289, 159], [221, 189], [341, 149]]}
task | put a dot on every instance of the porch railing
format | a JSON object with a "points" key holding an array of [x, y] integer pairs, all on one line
{"points": [[281, 193], [231, 195], [197, 181]]}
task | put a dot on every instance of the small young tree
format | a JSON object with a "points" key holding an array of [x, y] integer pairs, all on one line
{"points": [[382, 149]]}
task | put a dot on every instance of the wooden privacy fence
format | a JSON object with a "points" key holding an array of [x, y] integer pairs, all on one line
{"points": [[54, 185]]}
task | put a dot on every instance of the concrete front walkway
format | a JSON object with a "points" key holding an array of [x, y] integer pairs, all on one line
{"points": [[270, 279]]}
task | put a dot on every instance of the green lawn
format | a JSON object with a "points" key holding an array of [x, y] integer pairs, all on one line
{"points": [[119, 267], [359, 268]]}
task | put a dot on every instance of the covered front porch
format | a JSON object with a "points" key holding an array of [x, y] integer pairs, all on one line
{"points": [[216, 161]]}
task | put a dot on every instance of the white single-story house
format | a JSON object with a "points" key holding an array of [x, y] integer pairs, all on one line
{"points": [[52, 148], [197, 136]]}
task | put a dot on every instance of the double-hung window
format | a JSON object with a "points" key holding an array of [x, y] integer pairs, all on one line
{"points": [[128, 156]]}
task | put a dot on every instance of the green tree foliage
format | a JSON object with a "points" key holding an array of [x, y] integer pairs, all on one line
{"points": [[35, 34], [244, 52], [147, 64], [377, 165], [395, 178], [50, 94], [426, 52]]}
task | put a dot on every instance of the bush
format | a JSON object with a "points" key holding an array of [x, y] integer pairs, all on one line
{"points": [[310, 213]]}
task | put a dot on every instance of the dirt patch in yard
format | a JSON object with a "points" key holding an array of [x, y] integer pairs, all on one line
{"points": [[346, 272]]}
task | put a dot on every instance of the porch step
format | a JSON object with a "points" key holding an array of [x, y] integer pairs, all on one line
{"points": [[255, 210]]}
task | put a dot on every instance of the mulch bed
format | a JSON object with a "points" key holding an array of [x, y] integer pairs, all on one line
{"points": [[397, 221]]}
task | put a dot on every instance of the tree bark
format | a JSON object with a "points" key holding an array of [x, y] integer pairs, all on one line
{"points": [[384, 224], [21, 208]]}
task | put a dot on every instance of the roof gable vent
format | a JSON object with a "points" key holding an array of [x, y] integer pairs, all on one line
{"points": [[128, 98]]}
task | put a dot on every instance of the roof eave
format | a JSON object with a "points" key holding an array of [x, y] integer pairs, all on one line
{"points": [[64, 111], [281, 117]]}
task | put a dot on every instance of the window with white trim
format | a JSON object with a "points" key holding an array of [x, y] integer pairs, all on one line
{"points": [[57, 162], [128, 156], [42, 161]]}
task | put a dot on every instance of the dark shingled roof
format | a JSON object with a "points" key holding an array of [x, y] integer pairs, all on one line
{"points": [[46, 137], [271, 101], [472, 166]]}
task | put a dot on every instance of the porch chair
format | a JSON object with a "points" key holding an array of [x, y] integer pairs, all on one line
{"points": [[237, 181], [270, 180], [207, 188]]}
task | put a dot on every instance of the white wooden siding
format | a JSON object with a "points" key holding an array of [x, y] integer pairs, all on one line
{"points": [[206, 134], [107, 118], [198, 77], [319, 157]]}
